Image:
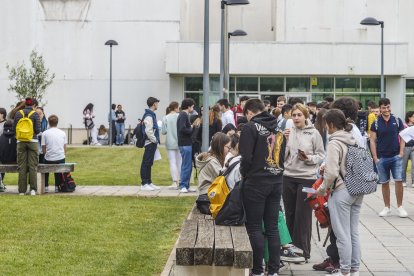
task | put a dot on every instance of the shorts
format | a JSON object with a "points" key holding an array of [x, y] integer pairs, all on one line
{"points": [[385, 165]]}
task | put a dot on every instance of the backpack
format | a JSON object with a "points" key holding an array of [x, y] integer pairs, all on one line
{"points": [[232, 212], [219, 190], [362, 122], [140, 134], [283, 124], [319, 205], [360, 178], [24, 127], [67, 184]]}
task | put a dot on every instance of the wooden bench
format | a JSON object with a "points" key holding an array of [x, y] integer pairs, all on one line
{"points": [[204, 248], [42, 169]]}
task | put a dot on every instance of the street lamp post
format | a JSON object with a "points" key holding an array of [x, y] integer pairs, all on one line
{"points": [[206, 78], [235, 33], [224, 42], [110, 43], [370, 21]]}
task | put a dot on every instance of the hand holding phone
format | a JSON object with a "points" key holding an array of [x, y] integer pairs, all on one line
{"points": [[302, 155]]}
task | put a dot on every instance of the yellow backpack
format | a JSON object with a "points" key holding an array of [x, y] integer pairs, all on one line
{"points": [[219, 190], [24, 127]]}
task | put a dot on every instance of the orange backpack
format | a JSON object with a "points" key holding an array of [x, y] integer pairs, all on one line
{"points": [[320, 205]]}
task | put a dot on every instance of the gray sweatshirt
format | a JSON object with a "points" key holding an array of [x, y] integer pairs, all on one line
{"points": [[310, 141], [169, 128]]}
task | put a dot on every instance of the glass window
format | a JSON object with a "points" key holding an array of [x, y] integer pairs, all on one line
{"points": [[198, 98], [271, 84], [409, 103], [297, 84], [347, 85], [363, 98], [409, 86], [320, 97], [215, 84], [371, 84], [247, 84], [232, 84], [322, 84], [193, 84]]}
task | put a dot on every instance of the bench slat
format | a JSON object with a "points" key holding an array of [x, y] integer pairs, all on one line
{"points": [[223, 247], [243, 253], [204, 247], [195, 214], [41, 168], [185, 246]]}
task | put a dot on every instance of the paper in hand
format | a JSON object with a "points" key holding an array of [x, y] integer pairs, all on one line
{"points": [[407, 134]]}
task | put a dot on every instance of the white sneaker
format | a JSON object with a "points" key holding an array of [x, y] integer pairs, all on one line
{"points": [[192, 190], [183, 190], [147, 187], [404, 184], [33, 192], [46, 189], [356, 273], [385, 212], [402, 213], [21, 194], [337, 273], [96, 144], [174, 186], [155, 187]]}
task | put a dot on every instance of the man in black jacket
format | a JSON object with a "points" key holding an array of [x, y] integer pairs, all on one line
{"points": [[262, 156], [184, 131], [27, 151]]}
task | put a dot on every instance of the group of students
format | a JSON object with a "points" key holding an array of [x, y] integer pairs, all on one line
{"points": [[279, 156], [47, 144], [99, 136]]}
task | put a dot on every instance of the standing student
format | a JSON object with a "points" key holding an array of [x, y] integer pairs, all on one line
{"points": [[344, 209], [169, 128], [227, 116], [238, 110], [27, 151], [184, 132], [8, 149], [262, 151], [304, 153], [43, 128], [387, 151], [215, 124], [3, 115], [54, 143], [120, 125], [408, 151], [152, 135], [90, 125], [112, 120]]}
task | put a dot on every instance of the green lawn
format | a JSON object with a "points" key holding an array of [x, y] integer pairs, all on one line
{"points": [[110, 166], [65, 235]]}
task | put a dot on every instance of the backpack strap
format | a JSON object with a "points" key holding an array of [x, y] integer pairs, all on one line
{"points": [[229, 169]]}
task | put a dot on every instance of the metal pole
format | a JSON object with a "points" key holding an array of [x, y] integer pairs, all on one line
{"points": [[206, 79], [226, 45], [222, 51], [110, 95], [382, 60], [228, 68]]}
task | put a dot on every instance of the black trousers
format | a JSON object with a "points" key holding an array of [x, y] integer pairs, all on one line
{"points": [[298, 212], [332, 249], [113, 132], [58, 176], [261, 203], [147, 161]]}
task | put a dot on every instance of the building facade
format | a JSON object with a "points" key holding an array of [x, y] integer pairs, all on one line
{"points": [[302, 48]]}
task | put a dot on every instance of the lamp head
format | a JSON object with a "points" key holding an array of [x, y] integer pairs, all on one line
{"points": [[111, 42], [236, 2], [238, 33], [370, 21]]}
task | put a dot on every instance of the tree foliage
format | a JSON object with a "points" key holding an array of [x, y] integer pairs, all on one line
{"points": [[30, 81]]}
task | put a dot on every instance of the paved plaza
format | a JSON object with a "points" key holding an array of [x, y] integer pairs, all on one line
{"points": [[387, 243]]}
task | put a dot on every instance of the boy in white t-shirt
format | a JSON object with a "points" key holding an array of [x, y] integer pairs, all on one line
{"points": [[54, 148]]}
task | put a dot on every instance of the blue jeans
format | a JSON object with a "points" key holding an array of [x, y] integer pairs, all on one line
{"points": [[385, 165], [120, 132], [186, 156]]}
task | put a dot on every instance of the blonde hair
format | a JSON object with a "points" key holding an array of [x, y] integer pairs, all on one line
{"points": [[302, 108]]}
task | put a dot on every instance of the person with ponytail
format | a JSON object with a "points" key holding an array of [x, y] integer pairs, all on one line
{"points": [[344, 209], [169, 128]]}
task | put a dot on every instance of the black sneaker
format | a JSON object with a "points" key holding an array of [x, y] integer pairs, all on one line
{"points": [[287, 255]]}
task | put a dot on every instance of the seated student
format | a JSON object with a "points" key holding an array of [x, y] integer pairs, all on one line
{"points": [[210, 163], [103, 137], [232, 157], [54, 143], [8, 148]]}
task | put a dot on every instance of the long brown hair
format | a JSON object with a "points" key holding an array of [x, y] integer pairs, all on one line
{"points": [[337, 118], [214, 114], [219, 141], [171, 107]]}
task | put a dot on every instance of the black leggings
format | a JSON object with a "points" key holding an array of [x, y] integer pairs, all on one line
{"points": [[262, 203]]}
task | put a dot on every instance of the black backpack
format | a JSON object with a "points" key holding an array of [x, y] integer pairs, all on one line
{"points": [[232, 213], [67, 184], [139, 132], [362, 122]]}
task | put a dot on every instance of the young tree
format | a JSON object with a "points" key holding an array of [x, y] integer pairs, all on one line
{"points": [[30, 81]]}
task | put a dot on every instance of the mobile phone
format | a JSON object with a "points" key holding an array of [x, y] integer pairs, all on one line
{"points": [[309, 190]]}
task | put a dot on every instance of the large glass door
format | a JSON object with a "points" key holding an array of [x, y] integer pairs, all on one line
{"points": [[305, 97]]}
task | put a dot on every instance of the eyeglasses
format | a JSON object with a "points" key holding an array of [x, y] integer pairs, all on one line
{"points": [[228, 147]]}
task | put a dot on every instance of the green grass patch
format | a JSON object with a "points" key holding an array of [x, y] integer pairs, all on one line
{"points": [[110, 166], [64, 235]]}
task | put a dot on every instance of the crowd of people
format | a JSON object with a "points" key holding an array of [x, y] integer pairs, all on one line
{"points": [[277, 151], [28, 138]]}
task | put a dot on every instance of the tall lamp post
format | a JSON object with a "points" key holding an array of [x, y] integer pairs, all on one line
{"points": [[224, 41], [370, 21], [206, 77], [110, 43], [235, 33]]}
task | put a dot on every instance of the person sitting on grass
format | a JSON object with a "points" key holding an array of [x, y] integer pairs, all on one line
{"points": [[103, 138], [54, 143]]}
